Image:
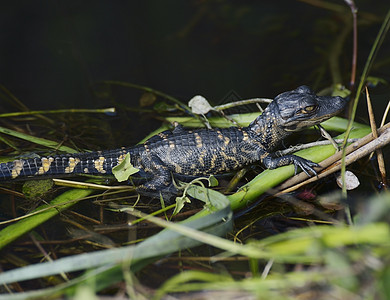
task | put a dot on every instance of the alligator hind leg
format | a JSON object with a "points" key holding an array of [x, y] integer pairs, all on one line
{"points": [[160, 182]]}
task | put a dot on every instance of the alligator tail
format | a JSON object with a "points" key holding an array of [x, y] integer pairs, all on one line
{"points": [[99, 162]]}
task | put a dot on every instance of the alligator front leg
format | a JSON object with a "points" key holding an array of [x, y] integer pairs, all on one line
{"points": [[159, 179], [306, 165]]}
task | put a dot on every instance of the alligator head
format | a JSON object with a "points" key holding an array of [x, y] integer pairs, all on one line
{"points": [[302, 108], [293, 111]]}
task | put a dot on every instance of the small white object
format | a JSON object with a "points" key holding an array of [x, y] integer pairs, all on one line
{"points": [[351, 181], [199, 105]]}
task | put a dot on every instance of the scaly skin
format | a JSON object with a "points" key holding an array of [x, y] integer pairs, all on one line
{"points": [[194, 153]]}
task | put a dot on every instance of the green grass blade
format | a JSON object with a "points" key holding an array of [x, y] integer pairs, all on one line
{"points": [[292, 246], [300, 241], [41, 215], [335, 123], [217, 221], [270, 178], [367, 67], [36, 140], [57, 111]]}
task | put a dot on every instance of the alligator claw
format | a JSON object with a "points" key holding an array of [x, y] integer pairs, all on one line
{"points": [[306, 165]]}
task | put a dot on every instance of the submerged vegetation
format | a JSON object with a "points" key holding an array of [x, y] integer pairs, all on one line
{"points": [[257, 234]]}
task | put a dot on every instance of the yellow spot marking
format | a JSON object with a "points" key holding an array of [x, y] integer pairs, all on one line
{"points": [[162, 135], [223, 167], [202, 155], [72, 163], [158, 166], [99, 164], [264, 156], [172, 145], [121, 158], [223, 162], [245, 150], [245, 138], [219, 135], [258, 143], [86, 170], [230, 158], [17, 168], [46, 162], [198, 140], [178, 169], [226, 140], [201, 161], [212, 161]]}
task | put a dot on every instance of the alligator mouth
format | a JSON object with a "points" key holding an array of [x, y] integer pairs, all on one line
{"points": [[329, 107]]}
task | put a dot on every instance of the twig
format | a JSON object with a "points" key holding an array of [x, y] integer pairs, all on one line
{"points": [[327, 136], [381, 161], [365, 143], [86, 185], [309, 145], [353, 7], [385, 114], [57, 111], [367, 67], [242, 102], [235, 180], [220, 108]]}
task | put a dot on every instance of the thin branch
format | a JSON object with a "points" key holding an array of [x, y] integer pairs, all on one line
{"points": [[354, 10], [309, 145], [242, 102], [380, 158], [367, 142]]}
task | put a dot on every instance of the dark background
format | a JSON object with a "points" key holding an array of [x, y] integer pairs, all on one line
{"points": [[53, 52]]}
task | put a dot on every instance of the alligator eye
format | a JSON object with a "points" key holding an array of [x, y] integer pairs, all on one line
{"points": [[310, 108]]}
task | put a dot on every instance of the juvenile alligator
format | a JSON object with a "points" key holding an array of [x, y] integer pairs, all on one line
{"points": [[192, 153]]}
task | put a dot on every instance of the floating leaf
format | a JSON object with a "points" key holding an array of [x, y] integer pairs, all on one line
{"points": [[351, 181], [199, 105], [36, 189], [147, 99], [124, 170]]}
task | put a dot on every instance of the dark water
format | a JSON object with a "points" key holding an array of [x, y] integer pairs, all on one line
{"points": [[52, 52]]}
